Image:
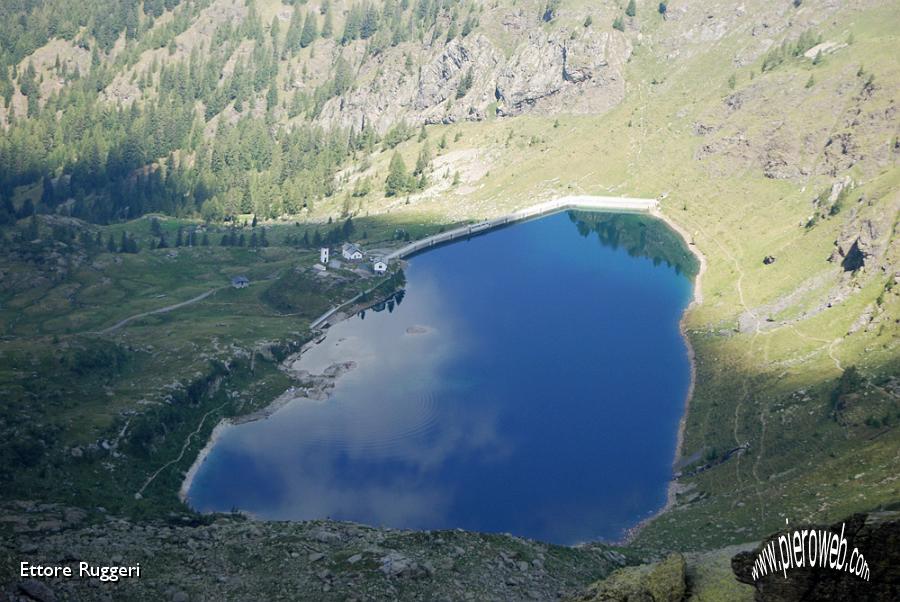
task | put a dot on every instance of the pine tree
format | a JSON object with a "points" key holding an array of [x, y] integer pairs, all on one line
{"points": [[423, 161], [453, 30], [352, 24], [274, 31], [369, 24], [631, 9], [327, 25], [295, 30], [310, 30], [465, 84], [348, 228], [47, 192], [397, 180]]}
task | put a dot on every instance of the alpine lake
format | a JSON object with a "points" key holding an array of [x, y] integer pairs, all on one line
{"points": [[529, 380]]}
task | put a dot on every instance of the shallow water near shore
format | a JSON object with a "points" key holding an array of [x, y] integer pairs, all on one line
{"points": [[530, 381]]}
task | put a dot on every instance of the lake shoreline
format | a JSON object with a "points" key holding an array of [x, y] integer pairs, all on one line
{"points": [[674, 486], [320, 336], [289, 396], [189, 476]]}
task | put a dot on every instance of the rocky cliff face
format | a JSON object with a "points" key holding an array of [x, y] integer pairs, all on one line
{"points": [[548, 71], [582, 74]]}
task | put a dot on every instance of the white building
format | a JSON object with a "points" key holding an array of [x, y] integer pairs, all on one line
{"points": [[379, 265], [351, 252], [323, 255]]}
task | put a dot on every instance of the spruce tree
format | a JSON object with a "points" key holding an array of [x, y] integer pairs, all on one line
{"points": [[328, 24], [397, 180], [310, 30], [423, 161], [295, 30], [631, 9]]}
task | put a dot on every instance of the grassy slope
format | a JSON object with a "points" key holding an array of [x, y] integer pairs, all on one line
{"points": [[50, 324]]}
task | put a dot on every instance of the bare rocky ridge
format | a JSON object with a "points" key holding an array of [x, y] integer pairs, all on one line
{"points": [[548, 72]]}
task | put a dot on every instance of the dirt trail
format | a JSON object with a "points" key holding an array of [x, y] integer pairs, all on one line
{"points": [[184, 447], [161, 310]]}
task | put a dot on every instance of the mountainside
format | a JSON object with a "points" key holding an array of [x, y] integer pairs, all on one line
{"points": [[151, 151]]}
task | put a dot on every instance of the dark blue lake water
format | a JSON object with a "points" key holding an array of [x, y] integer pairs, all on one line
{"points": [[530, 381]]}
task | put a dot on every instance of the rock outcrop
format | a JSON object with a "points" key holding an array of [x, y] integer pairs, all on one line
{"points": [[859, 242], [552, 71], [231, 558], [471, 79], [659, 582]]}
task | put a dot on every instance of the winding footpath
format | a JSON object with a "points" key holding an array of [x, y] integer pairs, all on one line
{"points": [[184, 448], [161, 310]]}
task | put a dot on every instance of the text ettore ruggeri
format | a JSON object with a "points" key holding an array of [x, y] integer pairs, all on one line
{"points": [[79, 570]]}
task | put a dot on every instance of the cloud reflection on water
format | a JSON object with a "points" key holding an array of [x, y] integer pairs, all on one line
{"points": [[382, 415]]}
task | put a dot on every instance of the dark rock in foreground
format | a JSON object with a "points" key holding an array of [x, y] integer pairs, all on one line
{"points": [[876, 536]]}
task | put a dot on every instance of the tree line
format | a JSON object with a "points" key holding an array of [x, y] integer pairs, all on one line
{"points": [[103, 159]]}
